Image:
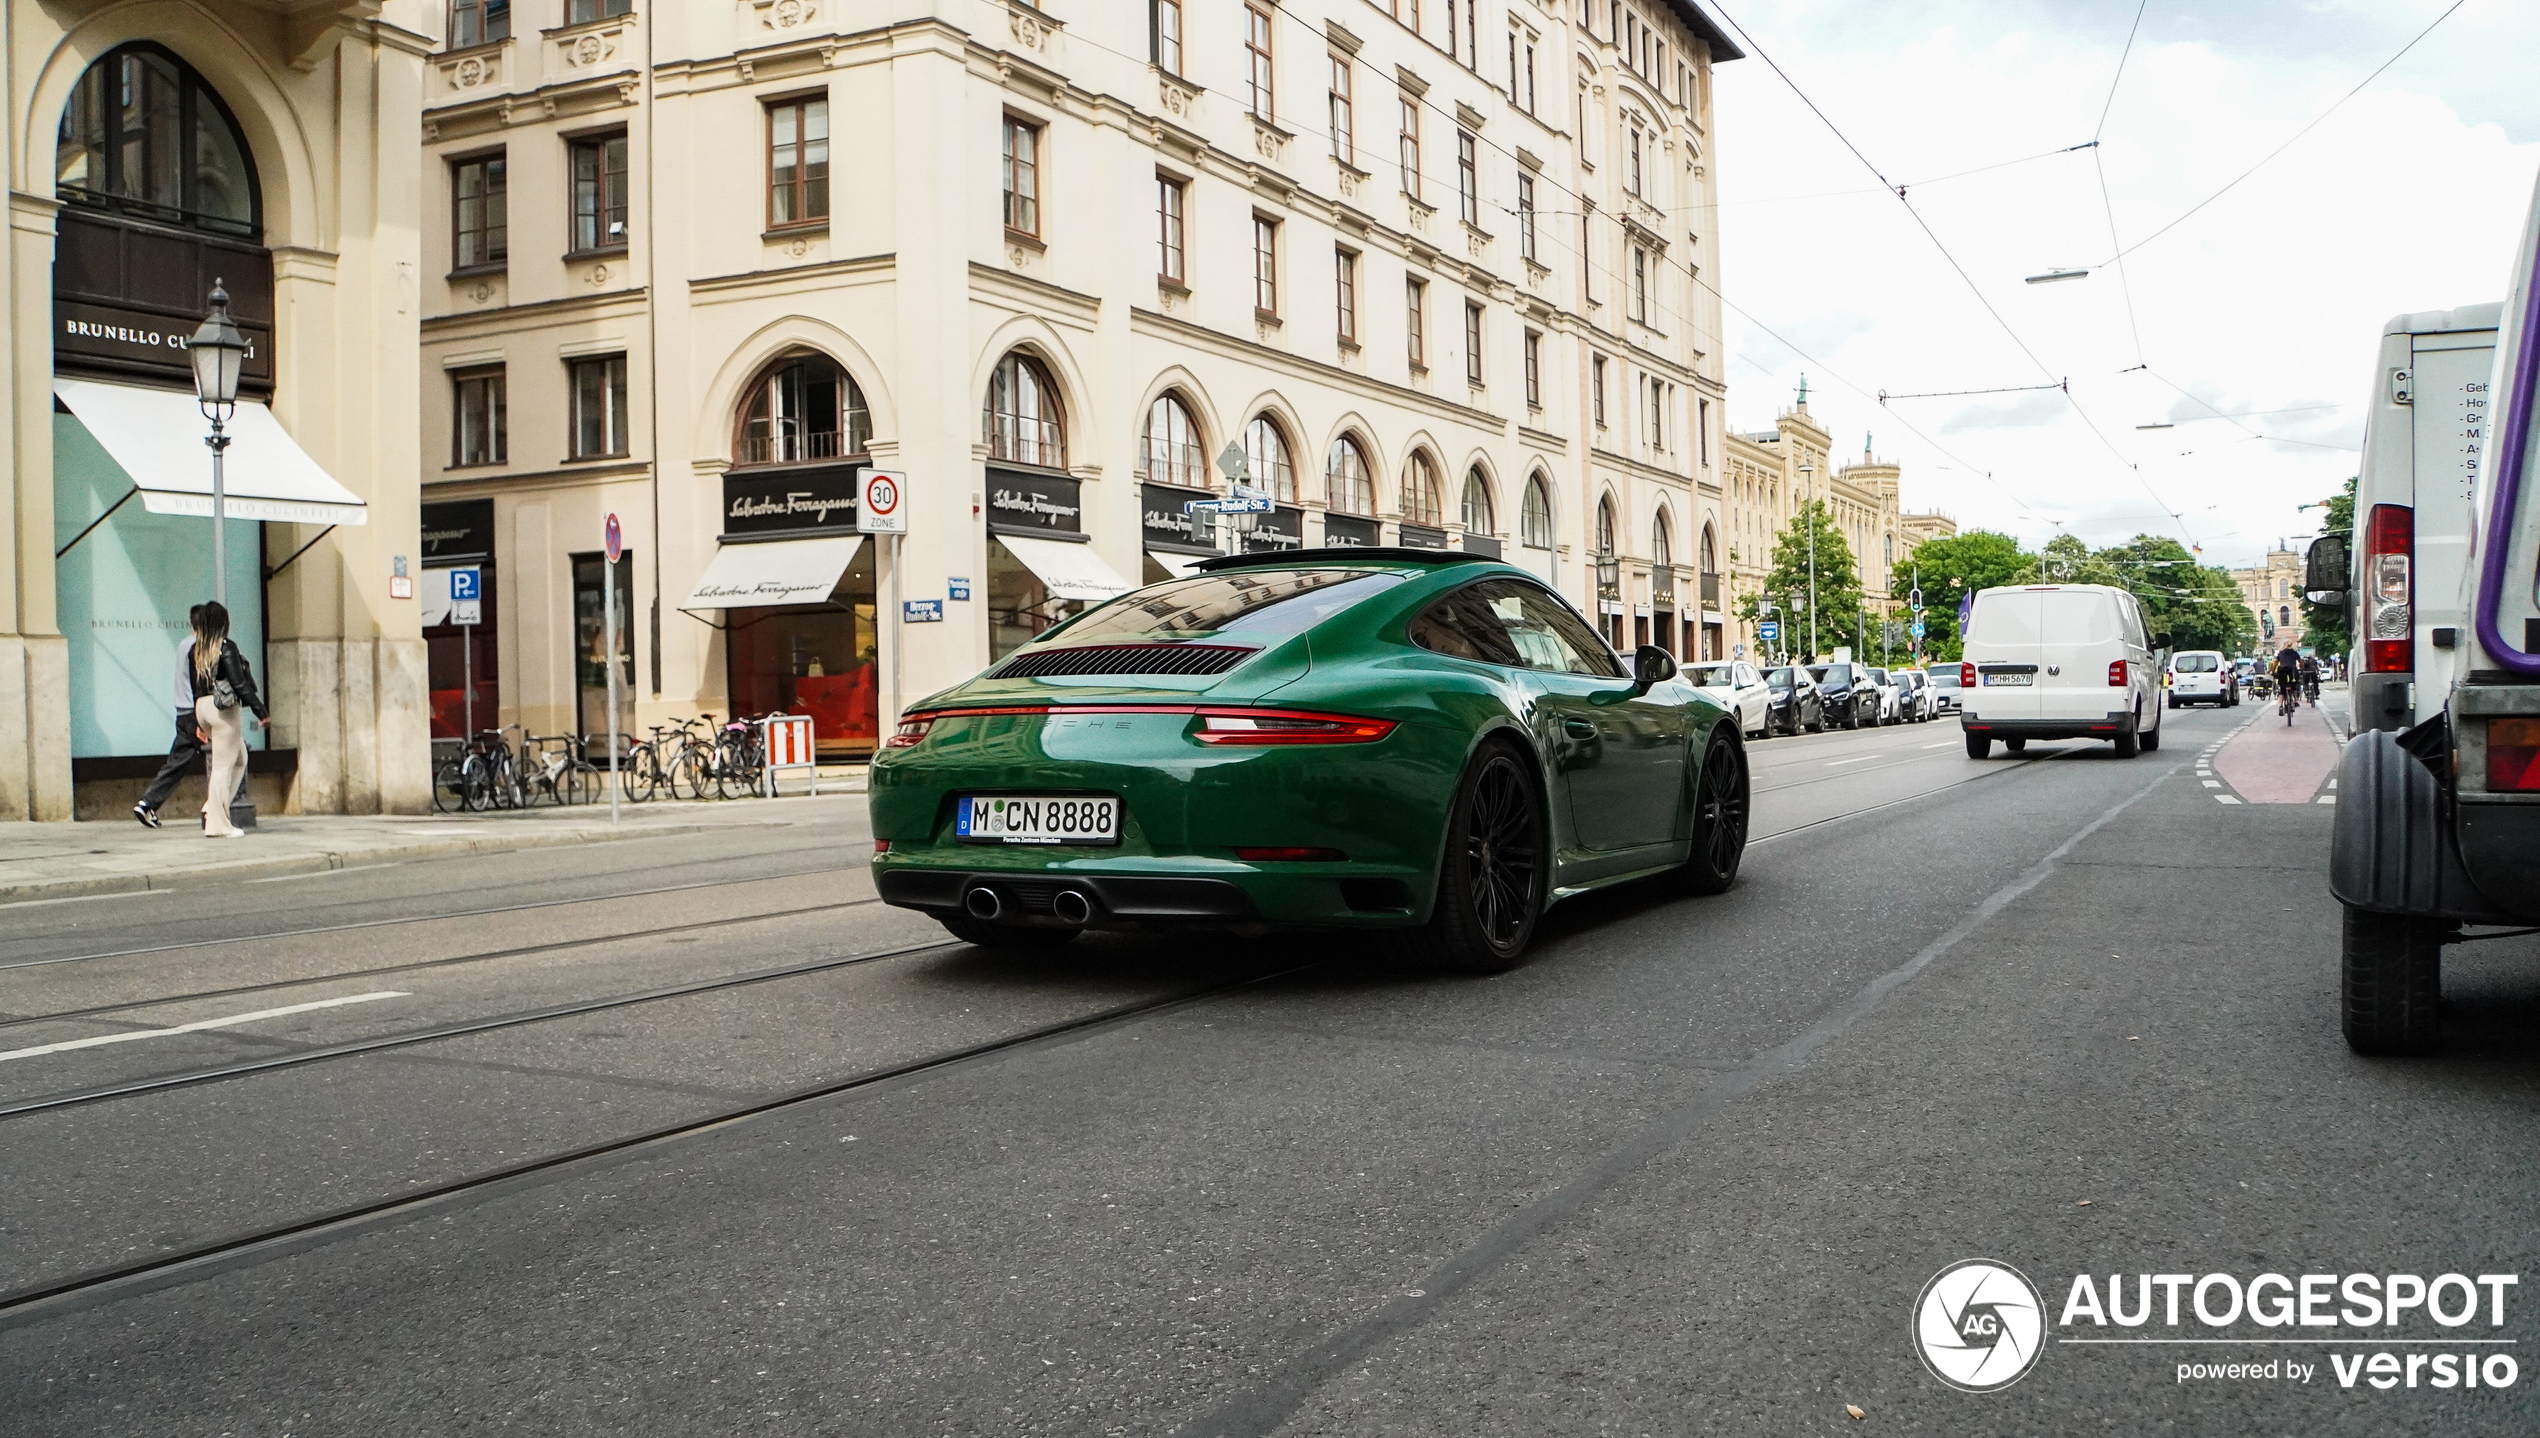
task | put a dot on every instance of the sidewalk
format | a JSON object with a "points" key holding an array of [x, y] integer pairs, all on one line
{"points": [[64, 861]]}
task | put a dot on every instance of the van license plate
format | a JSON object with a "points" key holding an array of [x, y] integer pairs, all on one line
{"points": [[2012, 679], [1037, 819]]}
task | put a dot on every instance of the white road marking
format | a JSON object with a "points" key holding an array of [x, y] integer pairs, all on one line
{"points": [[88, 898], [1855, 759], [1945, 744], [199, 1025], [2226, 799], [2213, 783], [2328, 798]]}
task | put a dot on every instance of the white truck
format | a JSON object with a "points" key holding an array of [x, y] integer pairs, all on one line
{"points": [[2422, 440]]}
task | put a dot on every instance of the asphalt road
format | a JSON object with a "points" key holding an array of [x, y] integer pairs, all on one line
{"points": [[1686, 1172]]}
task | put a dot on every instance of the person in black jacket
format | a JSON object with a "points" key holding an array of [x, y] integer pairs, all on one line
{"points": [[223, 687], [189, 744]]}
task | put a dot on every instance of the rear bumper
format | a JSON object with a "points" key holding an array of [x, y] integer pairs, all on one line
{"points": [[1253, 899], [2107, 728]]}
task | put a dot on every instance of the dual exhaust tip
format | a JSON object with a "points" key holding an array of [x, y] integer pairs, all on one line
{"points": [[1071, 906]]}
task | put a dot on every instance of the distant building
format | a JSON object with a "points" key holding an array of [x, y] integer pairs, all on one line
{"points": [[2273, 592], [1764, 479]]}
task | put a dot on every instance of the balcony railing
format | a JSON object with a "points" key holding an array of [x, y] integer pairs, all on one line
{"points": [[787, 448]]}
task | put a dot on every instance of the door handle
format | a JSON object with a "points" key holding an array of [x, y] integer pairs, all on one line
{"points": [[1578, 728]]}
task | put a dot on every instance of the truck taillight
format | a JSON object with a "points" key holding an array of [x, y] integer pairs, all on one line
{"points": [[1967, 674], [2513, 755], [2389, 609], [2116, 674]]}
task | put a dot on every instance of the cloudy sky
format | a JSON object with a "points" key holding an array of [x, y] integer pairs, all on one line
{"points": [[2265, 306]]}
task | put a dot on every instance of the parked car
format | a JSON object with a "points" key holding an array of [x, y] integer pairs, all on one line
{"points": [[1738, 687], [1412, 740], [1945, 690], [2200, 676], [2438, 827], [1796, 707], [1845, 695], [2060, 661], [1891, 694], [1915, 684]]}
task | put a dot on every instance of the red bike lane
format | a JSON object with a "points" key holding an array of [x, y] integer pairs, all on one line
{"points": [[2272, 762]]}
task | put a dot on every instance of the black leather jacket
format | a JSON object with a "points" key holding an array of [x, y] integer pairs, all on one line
{"points": [[232, 666]]}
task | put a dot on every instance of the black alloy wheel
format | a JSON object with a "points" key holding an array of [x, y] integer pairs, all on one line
{"points": [[1720, 806], [1491, 880]]}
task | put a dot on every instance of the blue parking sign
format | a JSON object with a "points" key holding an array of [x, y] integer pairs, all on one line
{"points": [[1769, 629], [467, 582]]}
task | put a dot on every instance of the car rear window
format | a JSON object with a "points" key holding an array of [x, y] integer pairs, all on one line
{"points": [[2196, 664], [1264, 604], [1832, 673], [1710, 675], [1944, 679]]}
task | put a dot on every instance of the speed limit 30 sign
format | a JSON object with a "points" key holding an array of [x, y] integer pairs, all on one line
{"points": [[881, 506]]}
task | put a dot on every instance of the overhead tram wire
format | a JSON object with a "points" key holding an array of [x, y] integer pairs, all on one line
{"points": [[2270, 155], [2043, 368], [2098, 162]]}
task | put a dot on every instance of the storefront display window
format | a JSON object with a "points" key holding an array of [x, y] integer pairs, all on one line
{"points": [[815, 659], [590, 645]]}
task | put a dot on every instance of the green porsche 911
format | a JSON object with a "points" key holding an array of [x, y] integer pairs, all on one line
{"points": [[1339, 738]]}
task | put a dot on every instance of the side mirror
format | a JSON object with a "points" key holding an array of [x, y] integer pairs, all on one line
{"points": [[1652, 665], [2325, 570], [2160, 641]]}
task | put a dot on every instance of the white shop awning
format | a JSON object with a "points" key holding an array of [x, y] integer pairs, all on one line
{"points": [[1072, 571], [781, 571], [1180, 566], [156, 437]]}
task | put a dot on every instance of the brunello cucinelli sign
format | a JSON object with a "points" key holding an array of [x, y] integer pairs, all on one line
{"points": [[92, 337], [818, 500], [1164, 524], [1034, 503]]}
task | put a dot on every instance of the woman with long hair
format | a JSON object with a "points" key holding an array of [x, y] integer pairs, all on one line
{"points": [[223, 687]]}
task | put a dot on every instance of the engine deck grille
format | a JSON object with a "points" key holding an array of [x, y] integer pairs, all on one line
{"points": [[1106, 659]]}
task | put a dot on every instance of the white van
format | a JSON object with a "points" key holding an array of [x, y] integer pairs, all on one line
{"points": [[2059, 661], [2202, 676]]}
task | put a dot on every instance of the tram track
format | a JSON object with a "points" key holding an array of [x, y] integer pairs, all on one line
{"points": [[16, 1305], [266, 937]]}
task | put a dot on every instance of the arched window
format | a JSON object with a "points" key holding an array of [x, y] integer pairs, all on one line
{"points": [[1662, 541], [1478, 517], [1025, 423], [144, 136], [1420, 501], [1174, 454], [1349, 482], [1266, 454], [1535, 514], [1888, 543], [1605, 526], [803, 408], [1710, 552], [2284, 614]]}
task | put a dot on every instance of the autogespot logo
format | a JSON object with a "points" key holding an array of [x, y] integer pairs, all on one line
{"points": [[1979, 1325]]}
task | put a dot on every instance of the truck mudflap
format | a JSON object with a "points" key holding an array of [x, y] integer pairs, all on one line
{"points": [[2392, 849]]}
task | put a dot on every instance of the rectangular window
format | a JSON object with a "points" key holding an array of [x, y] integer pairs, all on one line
{"points": [[1587, 257], [797, 163], [1526, 216], [1258, 76], [479, 429], [1631, 162], [599, 407], [1702, 430], [1530, 77], [1657, 414], [1468, 177], [1411, 147], [1640, 284], [1415, 306], [599, 193], [1534, 370], [1170, 195], [1165, 27], [479, 22], [1265, 264], [1596, 389], [1022, 176], [1512, 67], [1345, 288], [1472, 343], [577, 12], [479, 212], [1408, 12], [1344, 114]]}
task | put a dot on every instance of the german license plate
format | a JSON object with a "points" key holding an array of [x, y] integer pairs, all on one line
{"points": [[1037, 819], [2014, 679]]}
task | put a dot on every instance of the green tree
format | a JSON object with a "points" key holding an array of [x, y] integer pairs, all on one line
{"points": [[1951, 568], [2328, 627], [1838, 583], [2197, 606]]}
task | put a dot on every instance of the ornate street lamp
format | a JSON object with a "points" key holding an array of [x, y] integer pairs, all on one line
{"points": [[219, 353]]}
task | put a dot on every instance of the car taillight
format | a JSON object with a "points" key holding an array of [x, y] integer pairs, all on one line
{"points": [[910, 732], [2513, 755], [2116, 674], [1279, 726], [881, 846], [2390, 541], [1967, 674]]}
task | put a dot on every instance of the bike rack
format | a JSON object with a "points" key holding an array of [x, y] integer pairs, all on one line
{"points": [[786, 740]]}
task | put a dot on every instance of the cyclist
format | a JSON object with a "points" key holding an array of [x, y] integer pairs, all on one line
{"points": [[2287, 670], [2311, 681]]}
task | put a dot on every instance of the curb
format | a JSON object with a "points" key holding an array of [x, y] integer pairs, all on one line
{"points": [[71, 888]]}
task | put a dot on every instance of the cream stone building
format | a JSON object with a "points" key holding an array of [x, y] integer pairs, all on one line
{"points": [[2272, 589], [1437, 272], [1768, 476], [158, 147]]}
